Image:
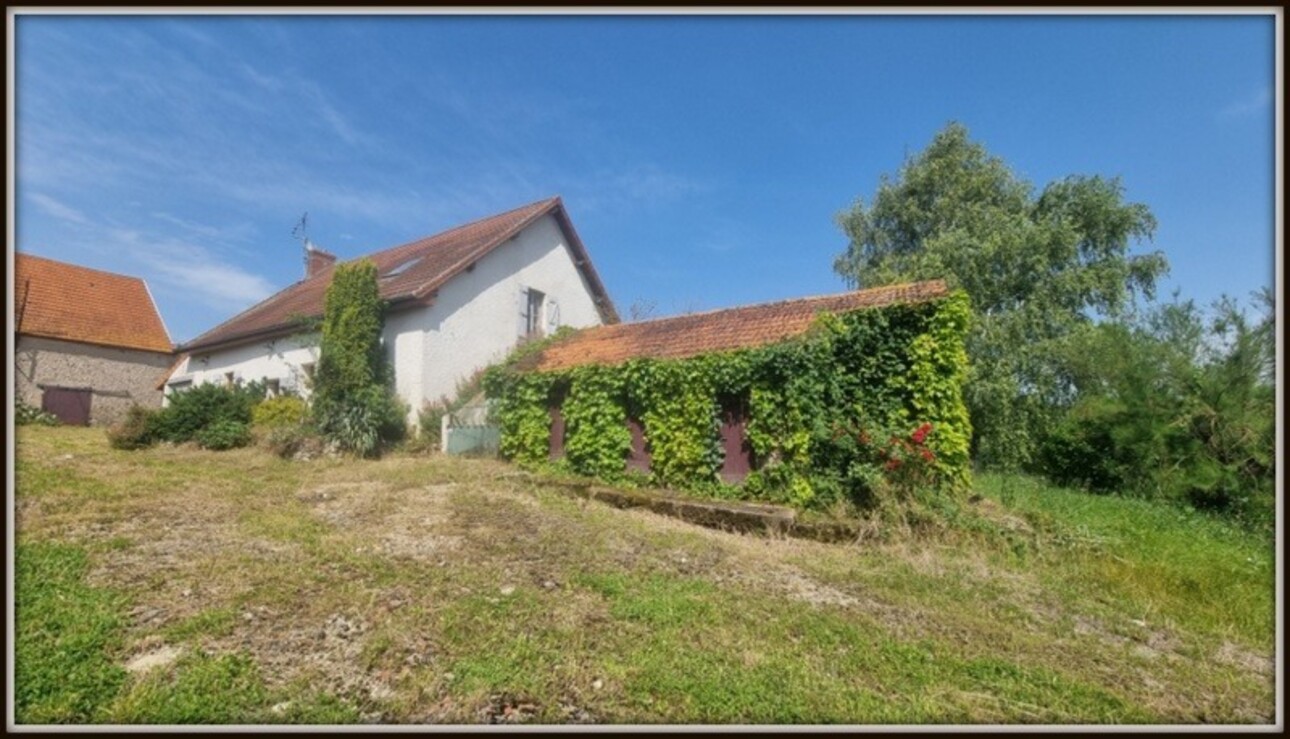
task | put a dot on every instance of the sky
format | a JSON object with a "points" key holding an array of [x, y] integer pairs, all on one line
{"points": [[702, 159]]}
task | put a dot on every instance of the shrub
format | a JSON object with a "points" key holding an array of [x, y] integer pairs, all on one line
{"points": [[359, 422], [224, 434], [430, 423], [350, 354], [284, 410], [135, 432], [299, 440], [353, 405], [192, 410], [24, 415]]}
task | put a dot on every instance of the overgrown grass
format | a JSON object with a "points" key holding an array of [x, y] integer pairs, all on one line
{"points": [[441, 590], [69, 643], [67, 635], [1189, 568]]}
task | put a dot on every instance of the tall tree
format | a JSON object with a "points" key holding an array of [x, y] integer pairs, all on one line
{"points": [[1038, 269]]}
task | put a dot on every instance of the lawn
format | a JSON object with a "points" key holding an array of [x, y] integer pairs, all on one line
{"points": [[174, 585]]}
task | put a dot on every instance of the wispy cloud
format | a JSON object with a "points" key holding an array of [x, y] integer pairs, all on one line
{"points": [[193, 269], [1249, 105], [57, 209], [167, 144]]}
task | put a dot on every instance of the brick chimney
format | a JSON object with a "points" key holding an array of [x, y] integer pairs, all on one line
{"points": [[316, 260]]}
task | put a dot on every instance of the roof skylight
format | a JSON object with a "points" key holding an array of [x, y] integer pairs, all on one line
{"points": [[402, 267]]}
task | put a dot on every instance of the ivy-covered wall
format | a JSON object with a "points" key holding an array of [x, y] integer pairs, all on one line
{"points": [[865, 401]]}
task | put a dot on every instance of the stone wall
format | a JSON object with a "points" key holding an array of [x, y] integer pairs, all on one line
{"points": [[119, 377]]}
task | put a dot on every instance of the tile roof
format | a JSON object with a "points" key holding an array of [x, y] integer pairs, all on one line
{"points": [[720, 330], [57, 300], [437, 258]]}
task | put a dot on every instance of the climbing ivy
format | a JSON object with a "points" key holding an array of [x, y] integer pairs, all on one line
{"points": [[597, 439], [861, 402]]}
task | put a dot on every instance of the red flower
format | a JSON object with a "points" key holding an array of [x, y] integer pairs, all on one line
{"points": [[921, 433], [927, 454], [892, 464]]}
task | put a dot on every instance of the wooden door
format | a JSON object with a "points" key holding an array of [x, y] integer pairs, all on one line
{"points": [[734, 440], [639, 457], [69, 405]]}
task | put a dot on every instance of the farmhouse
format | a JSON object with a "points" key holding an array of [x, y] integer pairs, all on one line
{"points": [[457, 302], [770, 395], [89, 344]]}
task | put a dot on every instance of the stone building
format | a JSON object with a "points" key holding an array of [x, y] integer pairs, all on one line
{"points": [[88, 344]]}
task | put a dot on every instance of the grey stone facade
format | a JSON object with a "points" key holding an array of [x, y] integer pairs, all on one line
{"points": [[118, 377]]}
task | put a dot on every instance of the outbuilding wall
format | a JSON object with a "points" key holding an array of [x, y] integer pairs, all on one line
{"points": [[118, 378]]}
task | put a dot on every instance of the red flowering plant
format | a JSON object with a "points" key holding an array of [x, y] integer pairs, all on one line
{"points": [[901, 459]]}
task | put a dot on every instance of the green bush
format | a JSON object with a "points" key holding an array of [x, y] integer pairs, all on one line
{"points": [[283, 410], [352, 404], [350, 354], [360, 421], [194, 409], [430, 423], [1172, 406], [224, 434], [24, 415], [135, 432], [294, 440]]}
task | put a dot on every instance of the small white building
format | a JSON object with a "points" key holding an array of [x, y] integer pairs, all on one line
{"points": [[457, 302]]}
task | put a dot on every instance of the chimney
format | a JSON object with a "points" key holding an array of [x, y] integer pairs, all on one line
{"points": [[316, 260]]}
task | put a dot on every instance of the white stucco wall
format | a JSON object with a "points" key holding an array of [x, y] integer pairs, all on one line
{"points": [[475, 321], [271, 359], [472, 323]]}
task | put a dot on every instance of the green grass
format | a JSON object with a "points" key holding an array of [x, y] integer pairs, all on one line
{"points": [[432, 590], [66, 636], [67, 671], [1165, 562]]}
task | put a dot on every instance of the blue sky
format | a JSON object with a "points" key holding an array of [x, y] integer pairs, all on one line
{"points": [[702, 159]]}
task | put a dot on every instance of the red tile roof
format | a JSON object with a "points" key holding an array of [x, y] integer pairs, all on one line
{"points": [[57, 300], [720, 330], [437, 258]]}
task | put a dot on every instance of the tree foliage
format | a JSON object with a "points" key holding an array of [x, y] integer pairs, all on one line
{"points": [[1173, 404], [350, 355], [1038, 268], [353, 403]]}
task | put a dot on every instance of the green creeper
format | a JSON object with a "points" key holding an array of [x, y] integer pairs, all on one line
{"points": [[352, 401]]}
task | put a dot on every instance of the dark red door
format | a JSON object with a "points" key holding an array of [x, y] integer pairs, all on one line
{"points": [[734, 440], [557, 432], [69, 405], [639, 457]]}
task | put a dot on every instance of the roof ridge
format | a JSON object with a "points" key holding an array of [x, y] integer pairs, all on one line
{"points": [[771, 303], [27, 255], [453, 229]]}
